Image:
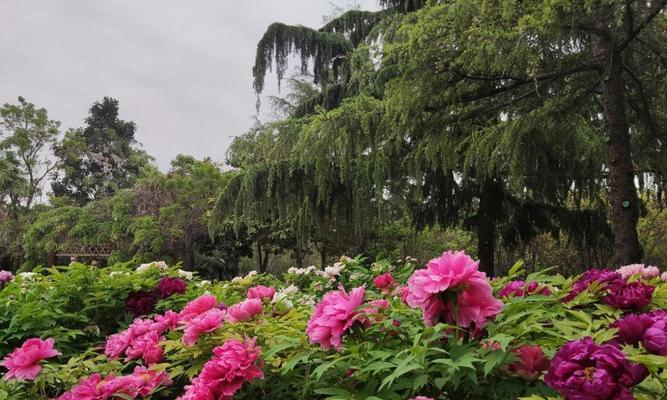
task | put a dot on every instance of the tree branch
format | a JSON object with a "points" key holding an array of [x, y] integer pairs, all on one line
{"points": [[653, 11]]}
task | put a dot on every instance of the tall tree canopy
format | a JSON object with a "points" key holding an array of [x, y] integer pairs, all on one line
{"points": [[100, 158], [488, 113]]}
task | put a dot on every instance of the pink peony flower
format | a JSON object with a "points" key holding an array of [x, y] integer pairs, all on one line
{"points": [[233, 364], [664, 277], [198, 306], [638, 269], [521, 289], [244, 310], [261, 292], [24, 362], [532, 362], [629, 296], [5, 277], [421, 398], [96, 388], [149, 380], [147, 347], [334, 315], [117, 343], [203, 323], [384, 282], [168, 287], [452, 290], [166, 322]]}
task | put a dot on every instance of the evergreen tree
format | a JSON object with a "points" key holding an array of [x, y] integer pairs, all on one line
{"points": [[100, 158]]}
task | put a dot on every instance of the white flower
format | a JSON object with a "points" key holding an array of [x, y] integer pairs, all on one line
{"points": [[27, 275], [251, 274], [334, 271], [203, 283], [187, 275], [237, 279], [161, 265]]}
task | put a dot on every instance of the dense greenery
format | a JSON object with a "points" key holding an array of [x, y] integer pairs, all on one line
{"points": [[387, 354]]}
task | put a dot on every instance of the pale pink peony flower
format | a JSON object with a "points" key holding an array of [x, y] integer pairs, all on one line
{"points": [[244, 310], [261, 292], [638, 269], [198, 306], [147, 347], [203, 323], [149, 379], [452, 290], [334, 315], [233, 364], [664, 277], [24, 362]]}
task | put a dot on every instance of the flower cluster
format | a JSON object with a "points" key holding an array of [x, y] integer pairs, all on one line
{"points": [[142, 382], [617, 291], [141, 339], [583, 369], [233, 364], [452, 290], [638, 270], [159, 265], [24, 362]]}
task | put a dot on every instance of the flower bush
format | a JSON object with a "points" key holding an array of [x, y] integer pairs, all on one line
{"points": [[353, 331]]}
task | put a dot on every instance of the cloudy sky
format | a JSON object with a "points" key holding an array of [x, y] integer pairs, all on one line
{"points": [[181, 69]]}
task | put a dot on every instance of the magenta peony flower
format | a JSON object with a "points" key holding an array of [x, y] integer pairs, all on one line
{"points": [[631, 328], [198, 306], [96, 388], [532, 362], [140, 303], [604, 277], [421, 398], [334, 315], [261, 292], [639, 270], [234, 363], [583, 369], [384, 282], [118, 343], [629, 296], [203, 323], [24, 362], [452, 290], [148, 380], [147, 347], [168, 287], [655, 338], [521, 289], [244, 310]]}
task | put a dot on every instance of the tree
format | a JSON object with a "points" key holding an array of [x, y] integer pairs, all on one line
{"points": [[100, 158], [29, 136], [500, 58]]}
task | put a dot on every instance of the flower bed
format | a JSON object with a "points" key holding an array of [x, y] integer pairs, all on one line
{"points": [[388, 331]]}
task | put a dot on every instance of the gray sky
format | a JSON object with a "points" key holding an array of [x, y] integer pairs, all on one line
{"points": [[181, 69]]}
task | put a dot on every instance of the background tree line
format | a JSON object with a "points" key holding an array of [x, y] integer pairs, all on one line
{"points": [[525, 129]]}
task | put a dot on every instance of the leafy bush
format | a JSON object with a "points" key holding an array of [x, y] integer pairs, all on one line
{"points": [[349, 332]]}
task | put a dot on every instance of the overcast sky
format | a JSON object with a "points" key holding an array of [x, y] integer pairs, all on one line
{"points": [[181, 69]]}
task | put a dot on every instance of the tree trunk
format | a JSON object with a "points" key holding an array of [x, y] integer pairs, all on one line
{"points": [[623, 193], [490, 202]]}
